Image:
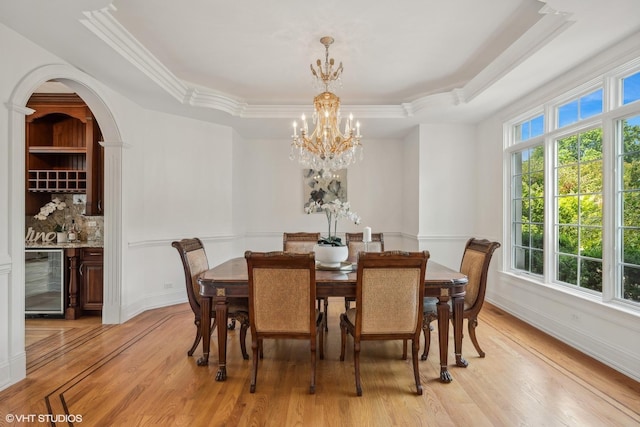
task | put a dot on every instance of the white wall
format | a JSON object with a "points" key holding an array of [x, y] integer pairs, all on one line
{"points": [[447, 190], [274, 193], [411, 187], [178, 172]]}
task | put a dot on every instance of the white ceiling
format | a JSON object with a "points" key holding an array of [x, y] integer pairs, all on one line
{"points": [[246, 63]]}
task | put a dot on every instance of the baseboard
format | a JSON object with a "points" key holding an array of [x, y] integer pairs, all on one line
{"points": [[13, 371], [615, 357]]}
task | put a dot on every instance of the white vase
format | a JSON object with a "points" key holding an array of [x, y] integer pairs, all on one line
{"points": [[331, 256], [61, 237]]}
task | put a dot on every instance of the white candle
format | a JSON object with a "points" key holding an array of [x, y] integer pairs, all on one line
{"points": [[366, 236]]}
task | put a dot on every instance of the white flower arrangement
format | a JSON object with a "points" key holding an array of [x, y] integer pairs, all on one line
{"points": [[49, 208], [334, 211]]}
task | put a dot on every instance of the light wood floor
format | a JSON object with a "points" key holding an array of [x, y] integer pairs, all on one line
{"points": [[138, 373]]}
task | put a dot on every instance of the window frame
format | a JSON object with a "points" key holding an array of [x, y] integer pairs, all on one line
{"points": [[612, 111]]}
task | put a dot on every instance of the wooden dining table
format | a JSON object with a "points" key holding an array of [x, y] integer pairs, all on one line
{"points": [[230, 280]]}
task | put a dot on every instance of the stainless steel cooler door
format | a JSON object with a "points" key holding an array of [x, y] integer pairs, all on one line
{"points": [[44, 281]]}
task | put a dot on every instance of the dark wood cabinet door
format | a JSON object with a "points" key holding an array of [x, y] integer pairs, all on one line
{"points": [[92, 279]]}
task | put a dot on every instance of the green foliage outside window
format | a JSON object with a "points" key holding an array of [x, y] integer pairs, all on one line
{"points": [[579, 200], [579, 209], [630, 230]]}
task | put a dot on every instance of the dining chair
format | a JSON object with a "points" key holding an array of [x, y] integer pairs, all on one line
{"points": [[475, 265], [195, 262], [282, 296], [355, 244], [389, 295], [299, 242], [303, 242]]}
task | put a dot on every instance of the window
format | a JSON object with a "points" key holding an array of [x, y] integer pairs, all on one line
{"points": [[631, 88], [629, 194], [578, 200], [528, 209], [574, 184], [530, 128], [580, 109]]}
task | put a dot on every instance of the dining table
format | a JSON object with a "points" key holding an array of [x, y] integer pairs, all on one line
{"points": [[230, 280]]}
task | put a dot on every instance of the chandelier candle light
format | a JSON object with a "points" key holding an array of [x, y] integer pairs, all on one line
{"points": [[326, 147]]}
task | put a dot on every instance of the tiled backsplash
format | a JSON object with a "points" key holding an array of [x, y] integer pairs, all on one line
{"points": [[91, 227]]}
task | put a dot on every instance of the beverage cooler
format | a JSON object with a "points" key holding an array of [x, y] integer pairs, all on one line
{"points": [[44, 282]]}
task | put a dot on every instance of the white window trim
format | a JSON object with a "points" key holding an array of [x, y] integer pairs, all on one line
{"points": [[612, 111]]}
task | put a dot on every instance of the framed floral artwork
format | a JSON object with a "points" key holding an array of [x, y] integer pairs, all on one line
{"points": [[324, 187]]}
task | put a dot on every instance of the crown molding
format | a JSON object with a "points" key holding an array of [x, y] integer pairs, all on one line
{"points": [[205, 98], [359, 111], [552, 24], [102, 23]]}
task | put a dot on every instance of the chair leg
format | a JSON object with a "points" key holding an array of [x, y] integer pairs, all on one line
{"points": [[312, 387], [472, 324], [356, 362], [326, 313], [404, 349], [320, 330], [197, 340], [199, 335], [255, 344], [426, 330], [343, 336], [415, 347], [243, 339], [260, 346], [323, 306], [347, 305]]}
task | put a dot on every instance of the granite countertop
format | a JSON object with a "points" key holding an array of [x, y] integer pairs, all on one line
{"points": [[56, 245]]}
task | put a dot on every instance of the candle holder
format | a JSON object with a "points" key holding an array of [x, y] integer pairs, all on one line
{"points": [[366, 238]]}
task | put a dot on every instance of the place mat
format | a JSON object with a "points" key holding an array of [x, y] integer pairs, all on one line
{"points": [[344, 266]]}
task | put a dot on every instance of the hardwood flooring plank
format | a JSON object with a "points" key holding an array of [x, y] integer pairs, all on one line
{"points": [[138, 374]]}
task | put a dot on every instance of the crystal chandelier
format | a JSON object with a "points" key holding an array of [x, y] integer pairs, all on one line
{"points": [[326, 147]]}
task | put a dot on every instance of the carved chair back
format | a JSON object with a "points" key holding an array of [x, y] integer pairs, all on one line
{"points": [[282, 297], [475, 265], [194, 262], [299, 242], [355, 244]]}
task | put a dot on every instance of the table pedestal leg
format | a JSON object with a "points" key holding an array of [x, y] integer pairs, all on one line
{"points": [[443, 337], [221, 319]]}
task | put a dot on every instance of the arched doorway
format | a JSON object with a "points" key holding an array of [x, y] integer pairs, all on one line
{"points": [[90, 91]]}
